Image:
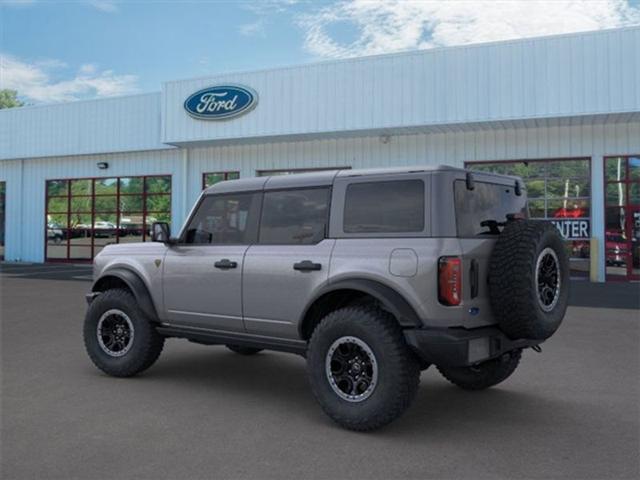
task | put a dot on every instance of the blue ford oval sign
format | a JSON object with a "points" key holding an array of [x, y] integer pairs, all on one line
{"points": [[221, 102]]}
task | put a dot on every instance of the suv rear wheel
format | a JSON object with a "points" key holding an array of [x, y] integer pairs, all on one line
{"points": [[119, 338], [361, 371], [483, 375]]}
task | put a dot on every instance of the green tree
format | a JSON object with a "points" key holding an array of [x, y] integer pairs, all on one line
{"points": [[9, 99]]}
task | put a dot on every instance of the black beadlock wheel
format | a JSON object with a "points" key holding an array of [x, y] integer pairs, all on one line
{"points": [[483, 375], [120, 340], [361, 371], [529, 279]]}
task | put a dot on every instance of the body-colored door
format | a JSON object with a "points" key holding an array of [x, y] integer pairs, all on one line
{"points": [[202, 276], [278, 282], [202, 286], [289, 262]]}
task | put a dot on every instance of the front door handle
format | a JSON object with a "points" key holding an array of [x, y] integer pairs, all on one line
{"points": [[307, 265], [225, 264]]}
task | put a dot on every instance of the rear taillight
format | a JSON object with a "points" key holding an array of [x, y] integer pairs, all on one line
{"points": [[450, 280]]}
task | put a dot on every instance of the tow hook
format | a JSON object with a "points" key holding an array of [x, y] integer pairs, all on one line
{"points": [[536, 348]]}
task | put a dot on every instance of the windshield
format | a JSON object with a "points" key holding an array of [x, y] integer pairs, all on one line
{"points": [[482, 210]]}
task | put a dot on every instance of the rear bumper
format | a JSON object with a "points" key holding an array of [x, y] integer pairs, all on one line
{"points": [[458, 347]]}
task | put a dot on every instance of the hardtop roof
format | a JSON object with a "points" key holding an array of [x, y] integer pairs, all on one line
{"points": [[327, 177]]}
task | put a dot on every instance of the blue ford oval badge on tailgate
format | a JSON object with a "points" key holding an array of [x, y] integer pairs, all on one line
{"points": [[221, 102]]}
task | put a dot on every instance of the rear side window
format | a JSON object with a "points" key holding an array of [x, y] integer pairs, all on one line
{"points": [[294, 217], [485, 203], [225, 219], [395, 206]]}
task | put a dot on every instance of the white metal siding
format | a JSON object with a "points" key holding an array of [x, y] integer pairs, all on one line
{"points": [[26, 179], [562, 76], [98, 126], [11, 173], [26, 191]]}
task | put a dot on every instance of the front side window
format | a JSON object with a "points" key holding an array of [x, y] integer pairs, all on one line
{"points": [[224, 219], [395, 206], [478, 209], [291, 217]]}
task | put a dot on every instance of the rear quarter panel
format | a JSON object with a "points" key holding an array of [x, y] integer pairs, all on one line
{"points": [[378, 259]]}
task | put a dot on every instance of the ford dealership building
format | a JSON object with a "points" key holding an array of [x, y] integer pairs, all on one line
{"points": [[563, 112]]}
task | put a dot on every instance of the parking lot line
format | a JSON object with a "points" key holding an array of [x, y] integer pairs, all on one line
{"points": [[84, 277], [37, 272]]}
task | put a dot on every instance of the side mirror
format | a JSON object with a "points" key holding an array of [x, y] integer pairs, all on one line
{"points": [[518, 189], [469, 180], [160, 232]]}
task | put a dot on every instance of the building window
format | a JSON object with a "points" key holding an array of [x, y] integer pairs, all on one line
{"points": [[84, 215], [212, 178], [3, 189], [269, 173], [622, 217], [558, 190]]}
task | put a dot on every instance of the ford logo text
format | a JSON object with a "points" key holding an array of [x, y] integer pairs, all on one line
{"points": [[221, 102]]}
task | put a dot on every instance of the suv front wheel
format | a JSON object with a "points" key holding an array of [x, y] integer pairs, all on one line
{"points": [[119, 338], [361, 371]]}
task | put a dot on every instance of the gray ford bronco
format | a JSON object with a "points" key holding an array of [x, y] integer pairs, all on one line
{"points": [[371, 275]]}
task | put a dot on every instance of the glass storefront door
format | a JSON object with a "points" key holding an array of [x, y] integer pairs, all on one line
{"points": [[84, 215], [634, 247], [558, 190], [622, 217]]}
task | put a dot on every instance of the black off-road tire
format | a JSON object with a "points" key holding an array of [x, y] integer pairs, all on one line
{"points": [[242, 350], [484, 375], [146, 345], [513, 291], [398, 368]]}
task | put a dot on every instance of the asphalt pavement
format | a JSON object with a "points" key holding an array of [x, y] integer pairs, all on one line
{"points": [[572, 411]]}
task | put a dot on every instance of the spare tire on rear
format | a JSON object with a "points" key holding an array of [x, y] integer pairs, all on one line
{"points": [[529, 279]]}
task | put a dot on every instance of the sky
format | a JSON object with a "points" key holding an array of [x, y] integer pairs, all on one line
{"points": [[57, 51]]}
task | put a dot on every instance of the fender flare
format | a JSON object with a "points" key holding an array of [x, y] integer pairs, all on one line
{"points": [[135, 284], [392, 301]]}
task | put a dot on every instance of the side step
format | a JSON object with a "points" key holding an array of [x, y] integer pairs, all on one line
{"points": [[216, 337]]}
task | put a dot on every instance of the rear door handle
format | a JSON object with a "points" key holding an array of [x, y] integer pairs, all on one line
{"points": [[225, 264], [307, 265]]}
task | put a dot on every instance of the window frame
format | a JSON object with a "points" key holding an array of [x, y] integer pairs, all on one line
{"points": [[183, 233], [278, 171], [3, 217], [293, 189], [92, 196], [224, 173], [569, 243], [340, 185], [546, 198], [628, 206]]}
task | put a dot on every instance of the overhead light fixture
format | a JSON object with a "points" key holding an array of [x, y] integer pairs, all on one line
{"points": [[103, 165]]}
